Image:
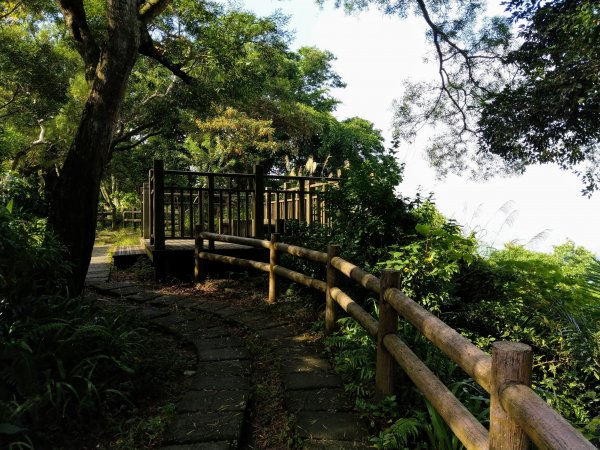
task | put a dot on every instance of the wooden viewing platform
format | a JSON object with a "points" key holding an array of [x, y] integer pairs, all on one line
{"points": [[176, 202]]}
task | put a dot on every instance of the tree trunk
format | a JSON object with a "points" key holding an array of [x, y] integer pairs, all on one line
{"points": [[74, 201]]}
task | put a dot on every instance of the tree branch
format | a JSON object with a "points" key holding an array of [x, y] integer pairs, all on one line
{"points": [[86, 45], [136, 143], [438, 34], [147, 48], [12, 10], [131, 133], [151, 9], [12, 100]]}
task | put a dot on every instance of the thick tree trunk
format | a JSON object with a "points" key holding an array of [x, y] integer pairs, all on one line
{"points": [[74, 201]]}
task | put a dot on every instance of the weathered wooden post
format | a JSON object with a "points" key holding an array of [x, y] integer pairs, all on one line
{"points": [[273, 261], [280, 226], [301, 201], [160, 260], [151, 204], [146, 211], [511, 363], [388, 324], [159, 204], [333, 250], [199, 266], [259, 202], [211, 208]]}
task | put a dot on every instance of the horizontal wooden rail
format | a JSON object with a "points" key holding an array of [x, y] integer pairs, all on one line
{"points": [[355, 311], [300, 178], [240, 262], [546, 428], [301, 252], [523, 410], [206, 174], [300, 278], [251, 242], [459, 349], [365, 279], [462, 423]]}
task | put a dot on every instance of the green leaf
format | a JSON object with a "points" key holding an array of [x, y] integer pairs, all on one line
{"points": [[9, 428]]}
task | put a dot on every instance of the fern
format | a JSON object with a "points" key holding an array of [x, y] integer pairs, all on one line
{"points": [[399, 435]]}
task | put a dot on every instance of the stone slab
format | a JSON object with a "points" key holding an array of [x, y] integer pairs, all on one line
{"points": [[313, 444], [280, 332], [223, 445], [231, 311], [250, 317], [223, 354], [332, 400], [106, 286], [265, 324], [125, 291], [151, 313], [195, 401], [170, 321], [292, 351], [144, 296], [341, 426], [219, 383], [310, 380], [205, 427], [215, 332], [165, 300], [237, 367], [309, 362], [91, 281], [212, 307], [220, 342], [189, 328]]}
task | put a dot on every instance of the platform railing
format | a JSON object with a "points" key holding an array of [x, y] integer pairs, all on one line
{"points": [[239, 204], [517, 414]]}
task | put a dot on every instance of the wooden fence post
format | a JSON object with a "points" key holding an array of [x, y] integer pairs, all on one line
{"points": [[259, 202], [159, 204], [211, 208], [301, 201], [388, 324], [151, 205], [199, 266], [280, 226], [511, 363], [333, 250], [273, 261], [146, 211]]}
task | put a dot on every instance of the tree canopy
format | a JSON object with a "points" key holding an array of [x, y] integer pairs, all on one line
{"points": [[91, 90], [512, 91]]}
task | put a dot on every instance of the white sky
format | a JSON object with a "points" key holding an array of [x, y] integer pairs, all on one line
{"points": [[374, 54]]}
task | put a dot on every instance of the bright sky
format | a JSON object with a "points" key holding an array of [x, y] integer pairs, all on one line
{"points": [[374, 54]]}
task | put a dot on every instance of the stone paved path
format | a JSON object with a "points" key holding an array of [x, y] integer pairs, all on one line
{"points": [[210, 416]]}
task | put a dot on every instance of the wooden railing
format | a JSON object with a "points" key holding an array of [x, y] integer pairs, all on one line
{"points": [[517, 413], [133, 217], [237, 204]]}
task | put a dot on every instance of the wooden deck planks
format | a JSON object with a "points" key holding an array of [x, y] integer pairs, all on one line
{"points": [[177, 245]]}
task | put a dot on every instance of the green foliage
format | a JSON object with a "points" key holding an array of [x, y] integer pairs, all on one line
{"points": [[353, 351], [557, 60], [60, 357], [551, 303], [399, 434], [430, 263], [31, 263], [146, 432]]}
